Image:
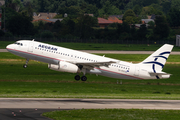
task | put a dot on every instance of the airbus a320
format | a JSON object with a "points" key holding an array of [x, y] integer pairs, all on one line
{"points": [[73, 61]]}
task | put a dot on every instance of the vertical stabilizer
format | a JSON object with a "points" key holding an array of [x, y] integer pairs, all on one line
{"points": [[157, 60]]}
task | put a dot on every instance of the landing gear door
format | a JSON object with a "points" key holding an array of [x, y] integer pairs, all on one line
{"points": [[137, 69], [30, 47]]}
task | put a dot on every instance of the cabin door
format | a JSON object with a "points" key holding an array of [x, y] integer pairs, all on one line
{"points": [[30, 47], [137, 69]]}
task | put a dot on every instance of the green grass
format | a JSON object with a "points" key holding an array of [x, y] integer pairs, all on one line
{"points": [[39, 81], [100, 46], [114, 114]]}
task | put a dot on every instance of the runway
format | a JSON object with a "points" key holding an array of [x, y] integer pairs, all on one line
{"points": [[32, 108], [63, 103]]}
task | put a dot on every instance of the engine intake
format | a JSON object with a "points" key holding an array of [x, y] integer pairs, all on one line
{"points": [[64, 67]]}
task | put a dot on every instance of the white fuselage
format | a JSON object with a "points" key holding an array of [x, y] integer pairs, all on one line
{"points": [[53, 55]]}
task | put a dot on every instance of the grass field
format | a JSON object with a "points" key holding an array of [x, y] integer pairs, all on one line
{"points": [[100, 46], [39, 81], [114, 114]]}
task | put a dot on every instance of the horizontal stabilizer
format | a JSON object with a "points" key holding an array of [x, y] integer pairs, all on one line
{"points": [[160, 73]]}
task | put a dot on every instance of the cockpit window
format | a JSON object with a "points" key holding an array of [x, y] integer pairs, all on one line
{"points": [[18, 43]]}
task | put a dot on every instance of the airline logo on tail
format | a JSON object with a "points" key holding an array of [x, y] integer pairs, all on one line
{"points": [[156, 62]]}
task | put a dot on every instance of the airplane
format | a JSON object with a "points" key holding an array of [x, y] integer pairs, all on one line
{"points": [[73, 61]]}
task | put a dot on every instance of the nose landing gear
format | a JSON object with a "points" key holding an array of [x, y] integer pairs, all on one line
{"points": [[25, 65]]}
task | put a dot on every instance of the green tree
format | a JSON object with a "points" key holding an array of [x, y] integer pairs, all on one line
{"points": [[41, 5], [141, 33], [123, 28], [149, 10], [166, 7], [84, 26], [174, 17], [175, 4], [28, 11], [57, 26], [130, 17], [68, 26], [137, 9], [151, 25], [149, 2], [162, 29], [8, 15], [71, 11], [109, 9], [90, 9], [20, 25], [133, 32]]}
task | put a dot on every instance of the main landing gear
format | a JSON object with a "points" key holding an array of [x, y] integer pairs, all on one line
{"points": [[83, 78], [25, 65]]}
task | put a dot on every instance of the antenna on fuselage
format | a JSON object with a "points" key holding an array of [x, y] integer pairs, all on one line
{"points": [[33, 39]]}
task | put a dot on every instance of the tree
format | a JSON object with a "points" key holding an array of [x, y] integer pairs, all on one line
{"points": [[72, 11], [142, 32], [84, 26], [130, 17], [166, 7], [175, 4], [149, 10], [17, 5], [133, 32], [123, 28], [41, 5], [137, 9], [151, 25], [20, 25], [109, 9], [162, 29], [68, 26], [90, 9], [174, 17], [149, 2], [28, 11]]}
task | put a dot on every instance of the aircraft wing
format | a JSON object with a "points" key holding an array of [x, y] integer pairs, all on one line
{"points": [[91, 65]]}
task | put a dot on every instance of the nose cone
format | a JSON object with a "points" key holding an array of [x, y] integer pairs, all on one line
{"points": [[9, 47]]}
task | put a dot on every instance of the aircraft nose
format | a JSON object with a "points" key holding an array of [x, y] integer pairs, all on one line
{"points": [[9, 47]]}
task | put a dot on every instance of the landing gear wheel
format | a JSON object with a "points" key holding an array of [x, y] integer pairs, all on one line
{"points": [[25, 66], [83, 78], [77, 77]]}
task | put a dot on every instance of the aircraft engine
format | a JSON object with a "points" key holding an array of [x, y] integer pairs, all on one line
{"points": [[64, 67]]}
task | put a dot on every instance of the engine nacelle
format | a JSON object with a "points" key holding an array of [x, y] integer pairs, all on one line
{"points": [[64, 67]]}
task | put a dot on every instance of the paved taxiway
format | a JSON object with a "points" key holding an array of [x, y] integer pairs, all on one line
{"points": [[32, 108]]}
